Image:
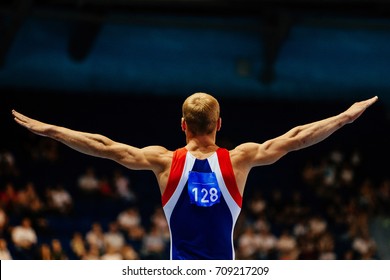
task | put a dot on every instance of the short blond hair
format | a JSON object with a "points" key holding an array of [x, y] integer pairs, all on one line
{"points": [[201, 113]]}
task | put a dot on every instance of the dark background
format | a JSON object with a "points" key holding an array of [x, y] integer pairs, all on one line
{"points": [[123, 69]]}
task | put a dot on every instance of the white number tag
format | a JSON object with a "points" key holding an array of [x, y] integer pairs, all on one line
{"points": [[203, 188]]}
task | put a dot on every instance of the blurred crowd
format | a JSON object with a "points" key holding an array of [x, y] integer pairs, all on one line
{"points": [[327, 217]]}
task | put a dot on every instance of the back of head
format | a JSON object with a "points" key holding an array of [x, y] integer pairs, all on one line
{"points": [[201, 113]]}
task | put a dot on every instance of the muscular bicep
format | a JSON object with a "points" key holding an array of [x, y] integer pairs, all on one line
{"points": [[257, 154], [270, 151]]}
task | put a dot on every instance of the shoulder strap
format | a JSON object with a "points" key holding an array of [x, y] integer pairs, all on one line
{"points": [[228, 175], [177, 166]]}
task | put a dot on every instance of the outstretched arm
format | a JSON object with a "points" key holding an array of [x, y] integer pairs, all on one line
{"points": [[253, 154], [148, 158]]}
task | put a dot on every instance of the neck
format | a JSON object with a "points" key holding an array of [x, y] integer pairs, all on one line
{"points": [[202, 143]]}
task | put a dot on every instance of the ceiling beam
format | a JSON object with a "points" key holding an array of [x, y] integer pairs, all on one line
{"points": [[276, 28], [19, 12], [84, 34]]}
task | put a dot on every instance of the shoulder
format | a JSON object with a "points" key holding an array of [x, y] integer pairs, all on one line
{"points": [[157, 153], [247, 155], [244, 150], [156, 149]]}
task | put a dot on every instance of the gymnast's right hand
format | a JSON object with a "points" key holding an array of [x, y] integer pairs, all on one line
{"points": [[34, 126]]}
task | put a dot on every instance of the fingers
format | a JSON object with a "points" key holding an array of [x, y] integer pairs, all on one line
{"points": [[370, 101], [19, 121], [373, 99], [19, 118], [366, 103], [16, 115]]}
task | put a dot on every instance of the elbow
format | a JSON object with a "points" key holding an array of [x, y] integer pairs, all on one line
{"points": [[347, 119], [273, 155], [105, 150], [99, 146], [295, 143]]}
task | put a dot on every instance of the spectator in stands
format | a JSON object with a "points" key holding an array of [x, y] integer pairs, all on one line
{"points": [[114, 238], [7, 160], [317, 225], [160, 222], [4, 252], [267, 242], [111, 253], [45, 252], [326, 247], [129, 253], [287, 246], [307, 249], [93, 253], [26, 196], [105, 188], [153, 245], [95, 236], [78, 245], [37, 214], [364, 245], [257, 204], [9, 197], [135, 235], [123, 186], [25, 239], [8, 169], [58, 252], [248, 244], [130, 224], [88, 182], [59, 200], [367, 198], [129, 218]]}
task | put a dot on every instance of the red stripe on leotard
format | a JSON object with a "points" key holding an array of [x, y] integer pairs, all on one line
{"points": [[228, 175], [178, 161]]}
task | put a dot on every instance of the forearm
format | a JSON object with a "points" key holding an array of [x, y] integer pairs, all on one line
{"points": [[91, 144], [88, 143], [309, 134]]}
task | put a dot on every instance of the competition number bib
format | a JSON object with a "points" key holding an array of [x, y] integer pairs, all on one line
{"points": [[203, 189]]}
